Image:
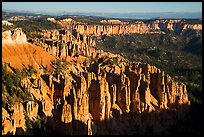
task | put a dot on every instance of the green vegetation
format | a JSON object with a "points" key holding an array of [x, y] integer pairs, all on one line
{"points": [[12, 89], [89, 21], [60, 65], [5, 28], [29, 71], [38, 127], [28, 122], [34, 26], [193, 21]]}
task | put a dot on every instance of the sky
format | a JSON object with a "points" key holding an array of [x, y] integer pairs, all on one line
{"points": [[105, 7], [111, 9]]}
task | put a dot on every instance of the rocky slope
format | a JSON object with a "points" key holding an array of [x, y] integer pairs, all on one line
{"points": [[105, 94], [19, 53]]}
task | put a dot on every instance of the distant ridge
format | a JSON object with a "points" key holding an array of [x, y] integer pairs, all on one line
{"points": [[141, 15]]}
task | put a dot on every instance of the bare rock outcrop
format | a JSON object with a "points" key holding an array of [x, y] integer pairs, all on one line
{"points": [[5, 22], [87, 100], [64, 43], [96, 97], [192, 26], [113, 22], [11, 122], [97, 30], [14, 36]]}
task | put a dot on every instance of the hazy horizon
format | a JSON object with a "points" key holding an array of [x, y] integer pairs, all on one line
{"points": [[140, 10]]}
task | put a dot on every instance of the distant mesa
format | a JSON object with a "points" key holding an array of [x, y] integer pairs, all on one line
{"points": [[51, 19], [113, 22], [68, 19]]}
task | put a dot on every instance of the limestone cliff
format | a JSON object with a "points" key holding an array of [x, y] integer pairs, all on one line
{"points": [[117, 27], [194, 27], [97, 30], [175, 25]]}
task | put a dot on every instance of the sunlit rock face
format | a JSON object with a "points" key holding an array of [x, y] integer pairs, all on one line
{"points": [[108, 95], [97, 30], [86, 101], [19, 53], [14, 36]]}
